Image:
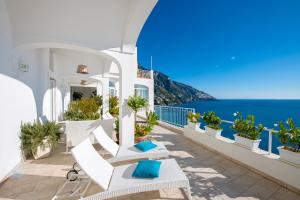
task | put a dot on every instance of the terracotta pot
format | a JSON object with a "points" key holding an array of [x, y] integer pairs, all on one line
{"points": [[140, 139]]}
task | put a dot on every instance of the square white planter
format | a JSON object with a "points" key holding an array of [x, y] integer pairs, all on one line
{"points": [[247, 143], [77, 131], [194, 126], [289, 156], [213, 132], [42, 151]]}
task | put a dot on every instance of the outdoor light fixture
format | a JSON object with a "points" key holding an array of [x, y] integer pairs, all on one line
{"points": [[24, 67], [82, 69]]}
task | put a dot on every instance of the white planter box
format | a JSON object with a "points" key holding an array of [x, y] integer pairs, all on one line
{"points": [[247, 143], [77, 131], [289, 156], [42, 151], [213, 132], [194, 126]]}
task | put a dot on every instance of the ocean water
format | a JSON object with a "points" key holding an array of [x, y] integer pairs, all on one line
{"points": [[266, 112]]}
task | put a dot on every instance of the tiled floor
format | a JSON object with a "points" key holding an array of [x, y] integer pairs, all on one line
{"points": [[211, 176]]}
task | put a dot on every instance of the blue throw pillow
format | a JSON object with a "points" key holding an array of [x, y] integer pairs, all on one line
{"points": [[147, 169], [145, 146]]}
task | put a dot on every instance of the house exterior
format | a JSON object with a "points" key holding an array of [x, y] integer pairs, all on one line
{"points": [[43, 43]]}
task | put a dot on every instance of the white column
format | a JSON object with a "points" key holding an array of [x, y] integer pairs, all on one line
{"points": [[128, 71], [126, 116], [105, 94]]}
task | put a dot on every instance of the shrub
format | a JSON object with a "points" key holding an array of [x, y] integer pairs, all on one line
{"points": [[193, 117], [84, 109], [289, 136], [246, 127], [114, 106], [33, 135], [151, 119], [212, 120]]}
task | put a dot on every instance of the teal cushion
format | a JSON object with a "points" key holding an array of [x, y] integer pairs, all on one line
{"points": [[147, 169], [145, 146]]}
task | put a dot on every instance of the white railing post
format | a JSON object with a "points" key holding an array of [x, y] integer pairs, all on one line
{"points": [[270, 142]]}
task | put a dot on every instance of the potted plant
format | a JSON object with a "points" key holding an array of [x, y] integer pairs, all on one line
{"points": [[82, 117], [290, 139], [141, 132], [114, 106], [38, 139], [247, 134], [213, 123], [137, 103], [193, 120]]}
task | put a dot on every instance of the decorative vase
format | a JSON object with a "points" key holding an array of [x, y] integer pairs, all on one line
{"points": [[247, 143]]}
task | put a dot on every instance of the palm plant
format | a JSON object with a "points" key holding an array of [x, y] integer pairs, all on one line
{"points": [[151, 119], [136, 103], [113, 106]]}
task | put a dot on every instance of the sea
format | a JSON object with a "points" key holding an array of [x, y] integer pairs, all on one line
{"points": [[268, 112]]}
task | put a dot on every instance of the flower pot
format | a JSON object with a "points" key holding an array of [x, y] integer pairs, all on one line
{"points": [[212, 132], [194, 126], [140, 139], [247, 143], [289, 156], [43, 151]]}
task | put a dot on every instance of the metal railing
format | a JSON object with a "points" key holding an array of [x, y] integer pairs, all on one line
{"points": [[141, 73], [178, 116], [173, 115]]}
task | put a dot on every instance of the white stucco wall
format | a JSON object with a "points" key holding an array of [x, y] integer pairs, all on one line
{"points": [[17, 101]]}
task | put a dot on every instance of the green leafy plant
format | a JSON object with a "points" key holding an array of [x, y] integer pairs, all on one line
{"points": [[151, 119], [136, 103], [37, 134], [114, 106], [289, 136], [193, 117], [142, 130], [246, 127], [212, 120], [84, 109]]}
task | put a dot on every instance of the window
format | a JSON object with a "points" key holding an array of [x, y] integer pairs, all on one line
{"points": [[78, 92], [142, 91]]}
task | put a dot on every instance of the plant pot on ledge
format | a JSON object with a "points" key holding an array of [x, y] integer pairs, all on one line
{"points": [[289, 156], [213, 132], [194, 126], [247, 143]]}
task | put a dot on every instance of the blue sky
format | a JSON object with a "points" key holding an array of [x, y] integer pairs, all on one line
{"points": [[227, 48]]}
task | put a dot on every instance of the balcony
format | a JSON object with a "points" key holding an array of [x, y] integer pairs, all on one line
{"points": [[147, 74]]}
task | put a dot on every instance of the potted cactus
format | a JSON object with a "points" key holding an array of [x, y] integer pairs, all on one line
{"points": [[213, 123], [193, 120], [290, 138], [247, 134]]}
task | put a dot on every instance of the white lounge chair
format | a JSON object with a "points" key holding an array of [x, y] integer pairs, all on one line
{"points": [[122, 153], [118, 181]]}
